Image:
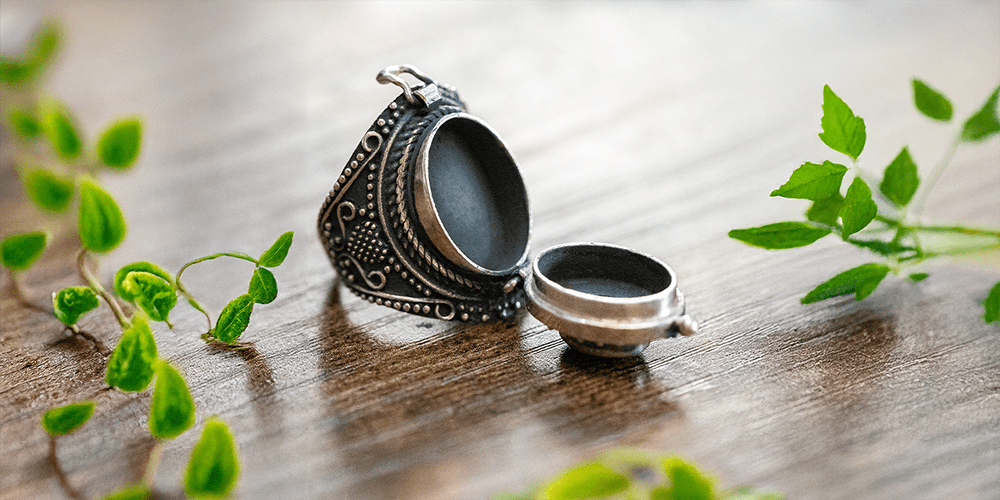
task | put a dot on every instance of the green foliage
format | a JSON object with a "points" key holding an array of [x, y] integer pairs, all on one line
{"points": [[592, 480], [130, 492], [780, 235], [71, 303], [19, 251], [66, 419], [842, 131], [930, 102], [900, 181], [153, 294], [23, 124], [263, 286], [686, 482], [861, 281], [32, 63], [859, 209], [119, 145], [214, 466], [233, 319], [60, 129], [46, 189], [130, 367], [992, 305], [101, 223], [984, 123], [171, 411], [274, 256], [142, 266], [813, 182]]}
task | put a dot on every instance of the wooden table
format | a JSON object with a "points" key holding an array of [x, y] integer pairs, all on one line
{"points": [[658, 126]]}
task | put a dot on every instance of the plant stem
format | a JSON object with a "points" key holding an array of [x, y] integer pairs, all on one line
{"points": [[918, 206], [60, 474], [191, 300], [152, 464], [92, 282], [955, 229]]}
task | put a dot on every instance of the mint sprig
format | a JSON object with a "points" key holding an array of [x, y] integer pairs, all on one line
{"points": [[889, 231]]}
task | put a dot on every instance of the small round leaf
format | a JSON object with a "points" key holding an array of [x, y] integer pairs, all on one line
{"points": [[18, 252], [71, 303], [119, 146], [274, 256], [66, 419], [214, 467], [130, 367], [130, 492], [263, 286], [46, 189], [101, 224], [593, 480], [154, 295], [171, 411], [233, 319], [146, 267], [60, 128], [23, 123]]}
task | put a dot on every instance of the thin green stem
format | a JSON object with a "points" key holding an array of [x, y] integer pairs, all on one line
{"points": [[190, 298], [955, 229], [60, 473], [152, 464], [918, 205], [93, 283]]}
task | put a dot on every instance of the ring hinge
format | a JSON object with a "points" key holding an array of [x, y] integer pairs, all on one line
{"points": [[428, 94]]}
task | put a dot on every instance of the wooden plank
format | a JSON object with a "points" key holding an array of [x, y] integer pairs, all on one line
{"points": [[658, 126]]}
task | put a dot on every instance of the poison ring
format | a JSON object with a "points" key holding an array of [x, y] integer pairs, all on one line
{"points": [[430, 217]]}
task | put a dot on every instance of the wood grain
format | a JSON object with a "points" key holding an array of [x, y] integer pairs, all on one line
{"points": [[658, 126]]}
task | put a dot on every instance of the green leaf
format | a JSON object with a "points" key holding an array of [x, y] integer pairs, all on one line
{"points": [[214, 466], [930, 102], [130, 367], [748, 494], [886, 248], [102, 225], [592, 480], [992, 305], [71, 303], [130, 492], [155, 295], [41, 50], [780, 235], [14, 72], [66, 419], [19, 251], [60, 128], [233, 319], [984, 123], [46, 189], [686, 482], [918, 277], [827, 210], [861, 281], [842, 131], [120, 144], [263, 286], [171, 411], [900, 180], [146, 267], [23, 123], [859, 209], [274, 256], [813, 182]]}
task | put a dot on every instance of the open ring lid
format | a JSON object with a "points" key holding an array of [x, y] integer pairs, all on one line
{"points": [[430, 216]]}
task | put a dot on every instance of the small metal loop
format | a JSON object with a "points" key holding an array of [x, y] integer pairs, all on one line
{"points": [[390, 75]]}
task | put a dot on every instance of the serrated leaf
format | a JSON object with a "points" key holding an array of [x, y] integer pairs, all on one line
{"points": [[918, 277], [146, 267], [274, 256], [214, 466], [60, 128], [842, 131], [66, 419], [930, 102], [991, 306], [171, 410], [23, 123], [812, 181], [46, 189], [101, 223], [827, 210], [234, 319], [130, 367], [119, 145], [153, 294], [984, 123], [71, 303], [130, 492], [900, 180], [19, 251], [686, 482], [859, 209], [263, 286], [861, 281], [886, 248], [780, 235], [592, 480]]}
